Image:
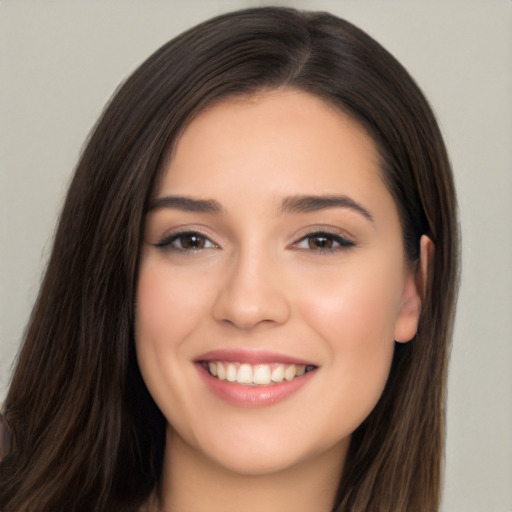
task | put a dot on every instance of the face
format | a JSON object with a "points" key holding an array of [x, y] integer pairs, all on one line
{"points": [[272, 285]]}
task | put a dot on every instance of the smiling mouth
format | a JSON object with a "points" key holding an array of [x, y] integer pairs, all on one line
{"points": [[255, 374]]}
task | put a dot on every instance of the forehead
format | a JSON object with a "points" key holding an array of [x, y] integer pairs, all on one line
{"points": [[272, 142]]}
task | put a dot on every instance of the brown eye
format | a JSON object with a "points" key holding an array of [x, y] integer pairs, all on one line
{"points": [[320, 242], [324, 242], [189, 241]]}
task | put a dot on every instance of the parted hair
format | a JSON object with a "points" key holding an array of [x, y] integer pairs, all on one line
{"points": [[89, 436]]}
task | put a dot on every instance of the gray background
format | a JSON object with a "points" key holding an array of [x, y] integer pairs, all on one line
{"points": [[61, 60]]}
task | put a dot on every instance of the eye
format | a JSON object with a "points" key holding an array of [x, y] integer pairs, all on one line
{"points": [[322, 241], [189, 241]]}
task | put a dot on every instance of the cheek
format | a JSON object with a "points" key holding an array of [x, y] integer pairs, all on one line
{"points": [[355, 316], [166, 312], [358, 327], [358, 308], [168, 306], [152, 331]]}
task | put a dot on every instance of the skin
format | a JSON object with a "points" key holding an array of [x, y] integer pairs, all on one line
{"points": [[259, 283]]}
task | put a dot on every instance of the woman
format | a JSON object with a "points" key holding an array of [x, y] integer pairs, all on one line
{"points": [[250, 297]]}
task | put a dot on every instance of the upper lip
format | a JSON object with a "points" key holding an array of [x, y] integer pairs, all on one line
{"points": [[251, 356]]}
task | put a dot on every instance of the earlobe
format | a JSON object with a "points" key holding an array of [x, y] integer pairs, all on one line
{"points": [[414, 293]]}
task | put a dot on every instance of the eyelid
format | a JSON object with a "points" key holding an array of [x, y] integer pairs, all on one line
{"points": [[165, 242], [340, 237], [343, 240]]}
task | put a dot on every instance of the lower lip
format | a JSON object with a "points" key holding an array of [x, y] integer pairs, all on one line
{"points": [[253, 396]]}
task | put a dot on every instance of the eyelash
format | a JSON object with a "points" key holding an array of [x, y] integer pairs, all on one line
{"points": [[329, 238], [168, 241], [342, 242]]}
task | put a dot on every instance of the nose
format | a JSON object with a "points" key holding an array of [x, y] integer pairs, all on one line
{"points": [[252, 293]]}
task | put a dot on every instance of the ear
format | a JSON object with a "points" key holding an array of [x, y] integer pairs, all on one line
{"points": [[414, 293]]}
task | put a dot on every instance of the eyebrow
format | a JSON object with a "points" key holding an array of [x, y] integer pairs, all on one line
{"points": [[292, 204], [305, 204], [186, 204]]}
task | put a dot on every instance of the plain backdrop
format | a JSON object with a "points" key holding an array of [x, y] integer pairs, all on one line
{"points": [[61, 60]]}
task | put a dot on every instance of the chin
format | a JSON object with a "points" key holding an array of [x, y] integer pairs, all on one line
{"points": [[259, 452]]}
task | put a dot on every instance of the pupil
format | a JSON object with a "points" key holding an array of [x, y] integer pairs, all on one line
{"points": [[320, 242], [193, 242]]}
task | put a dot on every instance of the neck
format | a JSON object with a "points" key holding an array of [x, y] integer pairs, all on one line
{"points": [[193, 482]]}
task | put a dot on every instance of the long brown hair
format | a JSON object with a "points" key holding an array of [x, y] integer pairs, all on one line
{"points": [[89, 435]]}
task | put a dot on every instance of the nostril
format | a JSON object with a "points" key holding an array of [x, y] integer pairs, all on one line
{"points": [[247, 307]]}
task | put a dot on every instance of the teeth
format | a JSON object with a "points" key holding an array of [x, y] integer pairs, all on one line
{"points": [[289, 372], [278, 373], [221, 371], [231, 372], [258, 374], [262, 375], [244, 374]]}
